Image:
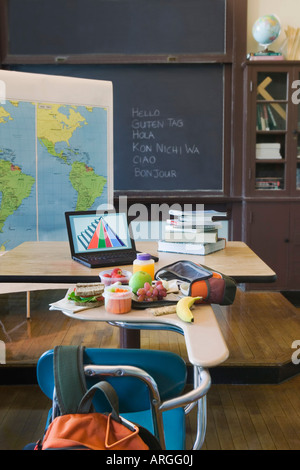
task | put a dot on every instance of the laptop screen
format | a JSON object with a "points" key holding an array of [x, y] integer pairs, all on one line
{"points": [[92, 232]]}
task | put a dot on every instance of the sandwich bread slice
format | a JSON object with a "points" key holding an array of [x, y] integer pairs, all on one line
{"points": [[88, 294]]}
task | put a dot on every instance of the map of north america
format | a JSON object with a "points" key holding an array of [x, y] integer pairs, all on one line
{"points": [[53, 159]]}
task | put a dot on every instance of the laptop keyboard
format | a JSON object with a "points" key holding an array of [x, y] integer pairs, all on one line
{"points": [[109, 257]]}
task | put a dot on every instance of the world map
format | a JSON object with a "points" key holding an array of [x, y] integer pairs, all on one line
{"points": [[53, 159]]}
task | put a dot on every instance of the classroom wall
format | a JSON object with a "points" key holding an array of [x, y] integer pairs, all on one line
{"points": [[288, 12]]}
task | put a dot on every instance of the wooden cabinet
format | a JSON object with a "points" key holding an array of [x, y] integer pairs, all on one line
{"points": [[272, 129], [271, 168], [272, 230], [293, 274]]}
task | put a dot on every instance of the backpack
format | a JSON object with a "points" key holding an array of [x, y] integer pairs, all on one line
{"points": [[75, 424]]}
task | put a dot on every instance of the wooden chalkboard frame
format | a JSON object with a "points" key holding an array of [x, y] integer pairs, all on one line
{"points": [[7, 57]]}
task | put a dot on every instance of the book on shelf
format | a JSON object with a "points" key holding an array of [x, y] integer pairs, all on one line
{"points": [[268, 183], [268, 151], [210, 236], [191, 248], [265, 120]]}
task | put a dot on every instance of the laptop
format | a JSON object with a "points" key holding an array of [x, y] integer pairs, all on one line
{"points": [[100, 239]]}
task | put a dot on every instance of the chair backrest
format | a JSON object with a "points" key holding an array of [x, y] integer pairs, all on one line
{"points": [[167, 369]]}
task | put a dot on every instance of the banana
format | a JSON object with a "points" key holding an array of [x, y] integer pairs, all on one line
{"points": [[183, 308]]}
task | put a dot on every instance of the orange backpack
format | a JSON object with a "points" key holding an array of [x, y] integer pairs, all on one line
{"points": [[93, 431]]}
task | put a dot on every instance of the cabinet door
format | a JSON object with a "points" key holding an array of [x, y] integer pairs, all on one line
{"points": [[295, 169], [267, 234], [269, 172], [294, 248]]}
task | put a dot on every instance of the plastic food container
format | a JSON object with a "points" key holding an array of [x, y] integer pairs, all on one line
{"points": [[118, 299], [107, 279]]}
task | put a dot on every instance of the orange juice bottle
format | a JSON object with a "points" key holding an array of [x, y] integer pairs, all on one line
{"points": [[144, 262]]}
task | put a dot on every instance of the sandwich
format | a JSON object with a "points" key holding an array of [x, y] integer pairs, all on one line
{"points": [[88, 295]]}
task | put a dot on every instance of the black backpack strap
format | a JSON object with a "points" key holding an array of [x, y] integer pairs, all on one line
{"points": [[69, 377], [110, 394]]}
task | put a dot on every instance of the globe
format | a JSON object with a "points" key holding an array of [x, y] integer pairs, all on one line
{"points": [[266, 29]]}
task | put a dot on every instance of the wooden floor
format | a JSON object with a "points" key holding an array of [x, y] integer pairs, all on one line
{"points": [[240, 417], [259, 330]]}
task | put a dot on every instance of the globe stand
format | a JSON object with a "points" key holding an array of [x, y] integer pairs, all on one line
{"points": [[265, 51]]}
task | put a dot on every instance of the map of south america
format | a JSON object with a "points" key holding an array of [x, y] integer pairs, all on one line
{"points": [[52, 159], [15, 187], [87, 184]]}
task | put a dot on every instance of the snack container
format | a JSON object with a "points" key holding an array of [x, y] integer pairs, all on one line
{"points": [[118, 299], [107, 280]]}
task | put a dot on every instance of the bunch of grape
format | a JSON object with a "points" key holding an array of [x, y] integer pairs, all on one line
{"points": [[150, 293]]}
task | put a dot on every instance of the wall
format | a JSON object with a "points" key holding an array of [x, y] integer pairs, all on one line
{"points": [[288, 12]]}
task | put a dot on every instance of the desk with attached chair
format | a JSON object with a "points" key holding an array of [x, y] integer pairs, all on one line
{"points": [[50, 262]]}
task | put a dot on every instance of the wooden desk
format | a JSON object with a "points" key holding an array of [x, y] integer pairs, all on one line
{"points": [[50, 262]]}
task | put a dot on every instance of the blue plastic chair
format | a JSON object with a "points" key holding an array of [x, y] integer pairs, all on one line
{"points": [[150, 386]]}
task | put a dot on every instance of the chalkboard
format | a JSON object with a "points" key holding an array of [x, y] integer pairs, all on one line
{"points": [[168, 124], [64, 27]]}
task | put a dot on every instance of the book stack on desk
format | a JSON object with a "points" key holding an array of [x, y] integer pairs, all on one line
{"points": [[192, 232]]}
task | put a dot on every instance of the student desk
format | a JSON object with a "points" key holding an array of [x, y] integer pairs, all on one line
{"points": [[47, 264], [204, 341], [50, 262]]}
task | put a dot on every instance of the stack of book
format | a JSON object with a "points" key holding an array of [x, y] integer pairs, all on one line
{"points": [[265, 55], [268, 151], [269, 183], [193, 232]]}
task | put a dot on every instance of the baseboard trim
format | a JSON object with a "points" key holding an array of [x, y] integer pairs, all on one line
{"points": [[242, 375], [271, 374], [18, 374]]}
